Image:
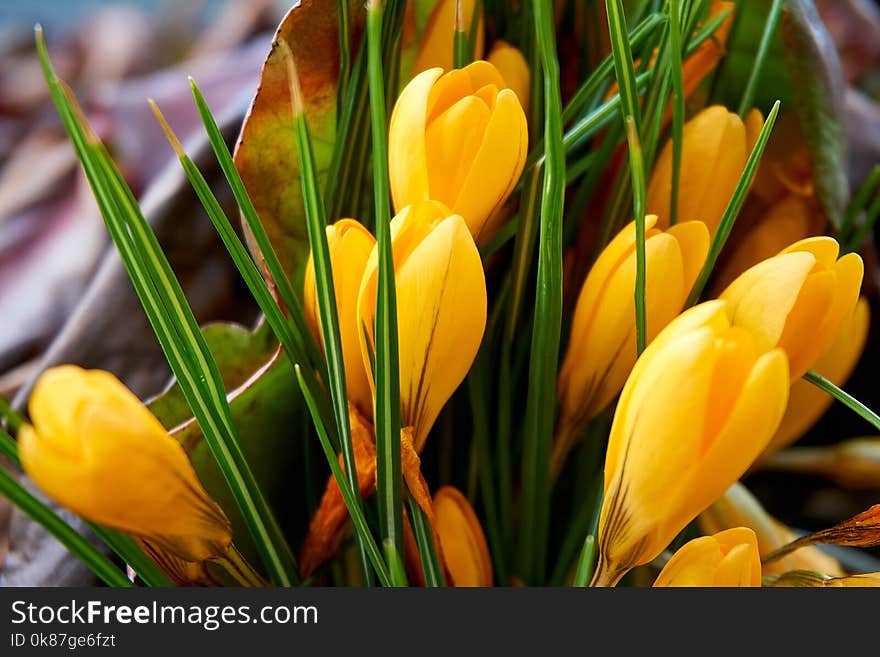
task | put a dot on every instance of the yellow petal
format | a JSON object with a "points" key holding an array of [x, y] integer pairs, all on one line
{"points": [[807, 403], [350, 245], [761, 299], [461, 538], [729, 558], [436, 47], [407, 163], [513, 68], [497, 166]]}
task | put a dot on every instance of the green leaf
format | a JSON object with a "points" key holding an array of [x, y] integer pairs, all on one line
{"points": [[265, 403], [266, 151]]}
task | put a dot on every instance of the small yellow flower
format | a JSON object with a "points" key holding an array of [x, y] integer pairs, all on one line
{"points": [[96, 449], [701, 403], [728, 558], [461, 538], [436, 47], [602, 345], [441, 310], [350, 245], [738, 507], [459, 138], [514, 68], [715, 147], [797, 300], [806, 402]]}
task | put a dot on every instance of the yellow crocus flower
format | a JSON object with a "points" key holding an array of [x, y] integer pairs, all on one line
{"points": [[715, 146], [806, 402], [602, 345], [701, 403], [738, 507], [462, 541], [441, 310], [96, 449], [459, 138], [797, 300], [436, 47], [350, 245], [728, 558], [513, 67]]}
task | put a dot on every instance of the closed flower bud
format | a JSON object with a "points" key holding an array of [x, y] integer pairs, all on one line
{"points": [[96, 449], [436, 47], [806, 402], [514, 68], [715, 146], [728, 558], [738, 507], [701, 403], [459, 138], [350, 245], [797, 300], [441, 309], [461, 538], [602, 345]]}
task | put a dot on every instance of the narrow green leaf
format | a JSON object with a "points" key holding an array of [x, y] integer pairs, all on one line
{"points": [[9, 417], [316, 224], [543, 364], [349, 496], [637, 169], [131, 553], [586, 563], [734, 205], [431, 567], [395, 562], [853, 210], [678, 98], [844, 398], [386, 372], [460, 39]]}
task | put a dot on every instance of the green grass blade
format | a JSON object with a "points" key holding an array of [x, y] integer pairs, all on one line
{"points": [[460, 39], [308, 353], [734, 206], [637, 172], [678, 98], [316, 224], [431, 567], [586, 563], [386, 373], [770, 24], [344, 16], [623, 61], [349, 496], [844, 398], [541, 399], [175, 326]]}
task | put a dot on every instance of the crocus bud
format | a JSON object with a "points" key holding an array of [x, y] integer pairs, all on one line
{"points": [[700, 404], [459, 138], [96, 449], [436, 47], [786, 222], [350, 245], [441, 309], [461, 539], [854, 463], [738, 507], [806, 402], [514, 68], [602, 345], [797, 300], [728, 558], [715, 146]]}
